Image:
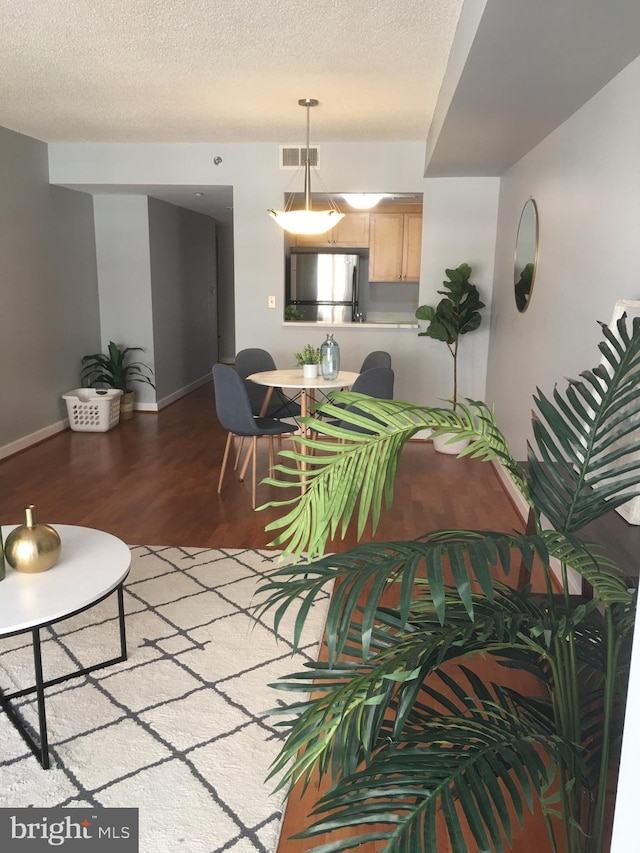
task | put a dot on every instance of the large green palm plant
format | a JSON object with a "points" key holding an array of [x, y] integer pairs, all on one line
{"points": [[421, 752], [114, 369]]}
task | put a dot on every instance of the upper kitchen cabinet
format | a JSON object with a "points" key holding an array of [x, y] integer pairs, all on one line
{"points": [[395, 241], [352, 232]]}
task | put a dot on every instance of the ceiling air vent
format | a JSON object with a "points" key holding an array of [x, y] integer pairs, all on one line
{"points": [[293, 156]]}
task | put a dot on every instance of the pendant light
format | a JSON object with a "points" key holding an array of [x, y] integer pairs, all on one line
{"points": [[363, 201], [307, 221]]}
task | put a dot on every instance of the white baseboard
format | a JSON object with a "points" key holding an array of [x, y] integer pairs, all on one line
{"points": [[34, 438], [172, 398], [512, 490], [522, 507], [48, 431]]}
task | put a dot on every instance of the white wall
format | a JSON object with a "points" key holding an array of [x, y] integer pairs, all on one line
{"points": [[183, 287], [463, 215], [124, 279], [585, 178], [459, 227], [49, 294]]}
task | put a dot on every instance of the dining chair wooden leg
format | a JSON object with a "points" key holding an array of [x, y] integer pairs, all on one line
{"points": [[245, 463], [253, 472], [271, 454], [224, 460], [239, 453], [250, 452]]}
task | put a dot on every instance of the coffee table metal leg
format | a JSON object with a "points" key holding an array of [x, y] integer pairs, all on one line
{"points": [[42, 716], [41, 748], [123, 632]]}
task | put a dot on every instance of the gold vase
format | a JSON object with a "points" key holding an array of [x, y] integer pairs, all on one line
{"points": [[32, 547]]}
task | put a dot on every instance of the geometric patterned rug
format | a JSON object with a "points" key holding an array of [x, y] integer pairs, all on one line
{"points": [[179, 730]]}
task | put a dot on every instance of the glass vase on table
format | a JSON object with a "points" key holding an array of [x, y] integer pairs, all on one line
{"points": [[329, 358]]}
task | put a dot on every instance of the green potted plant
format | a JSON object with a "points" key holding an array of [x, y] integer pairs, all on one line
{"points": [[422, 754], [292, 314], [115, 370], [457, 314], [309, 359]]}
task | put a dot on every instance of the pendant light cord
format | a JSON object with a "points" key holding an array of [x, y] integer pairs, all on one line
{"points": [[307, 163]]}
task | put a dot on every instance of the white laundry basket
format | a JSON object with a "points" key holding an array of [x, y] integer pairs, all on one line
{"points": [[93, 410]]}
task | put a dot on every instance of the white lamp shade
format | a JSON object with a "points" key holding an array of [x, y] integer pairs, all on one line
{"points": [[363, 201], [306, 221]]}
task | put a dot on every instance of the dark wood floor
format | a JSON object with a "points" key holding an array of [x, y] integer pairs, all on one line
{"points": [[153, 481]]}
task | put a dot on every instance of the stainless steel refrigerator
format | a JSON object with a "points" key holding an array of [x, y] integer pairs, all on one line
{"points": [[324, 287]]}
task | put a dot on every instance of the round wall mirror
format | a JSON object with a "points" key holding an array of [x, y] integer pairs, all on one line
{"points": [[526, 258]]}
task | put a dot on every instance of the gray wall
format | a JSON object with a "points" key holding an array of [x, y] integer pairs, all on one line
{"points": [[226, 298], [183, 291], [157, 283], [49, 315]]}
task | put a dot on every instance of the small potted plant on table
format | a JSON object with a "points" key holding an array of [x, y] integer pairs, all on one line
{"points": [[113, 370], [309, 359]]}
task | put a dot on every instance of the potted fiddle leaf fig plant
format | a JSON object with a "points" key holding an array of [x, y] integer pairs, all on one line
{"points": [[308, 358], [115, 370], [457, 314], [420, 752]]}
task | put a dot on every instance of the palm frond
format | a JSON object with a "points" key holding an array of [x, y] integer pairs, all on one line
{"points": [[405, 731], [479, 768], [468, 556], [372, 567], [592, 563], [585, 438], [359, 705], [347, 472]]}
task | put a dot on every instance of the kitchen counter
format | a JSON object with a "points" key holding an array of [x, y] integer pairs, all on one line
{"points": [[367, 325]]}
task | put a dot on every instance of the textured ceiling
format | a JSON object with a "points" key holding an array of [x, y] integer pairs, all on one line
{"points": [[228, 71]]}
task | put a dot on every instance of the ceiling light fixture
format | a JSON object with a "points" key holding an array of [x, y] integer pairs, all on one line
{"points": [[363, 201], [307, 221]]}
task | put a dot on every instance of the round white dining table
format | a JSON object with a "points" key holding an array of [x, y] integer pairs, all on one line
{"points": [[294, 378]]}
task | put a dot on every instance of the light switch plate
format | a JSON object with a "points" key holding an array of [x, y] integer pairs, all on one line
{"points": [[271, 302]]}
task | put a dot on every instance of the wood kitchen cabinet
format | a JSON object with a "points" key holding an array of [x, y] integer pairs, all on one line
{"points": [[395, 242], [352, 232]]}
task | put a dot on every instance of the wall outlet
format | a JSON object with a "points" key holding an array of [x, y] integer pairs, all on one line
{"points": [[271, 302]]}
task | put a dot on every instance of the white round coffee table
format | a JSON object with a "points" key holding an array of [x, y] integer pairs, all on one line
{"points": [[92, 566]]}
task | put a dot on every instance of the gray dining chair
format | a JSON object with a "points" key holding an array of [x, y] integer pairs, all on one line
{"points": [[376, 382], [256, 360], [377, 358], [234, 414]]}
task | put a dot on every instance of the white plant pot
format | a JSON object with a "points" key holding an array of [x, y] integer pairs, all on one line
{"points": [[310, 371], [443, 444]]}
